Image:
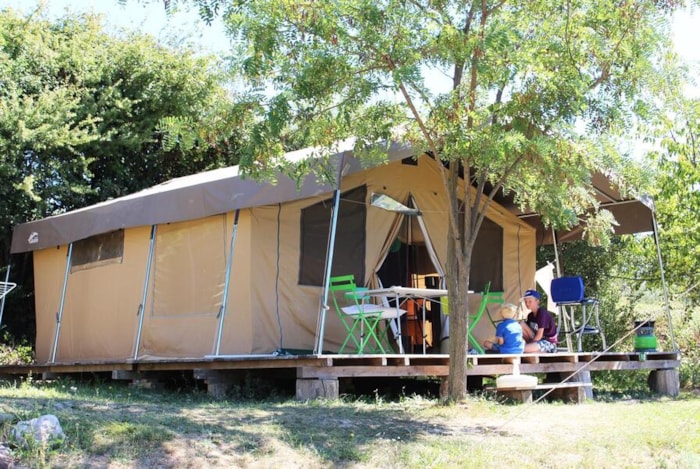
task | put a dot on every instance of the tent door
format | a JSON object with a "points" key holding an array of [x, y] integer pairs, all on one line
{"points": [[411, 262]]}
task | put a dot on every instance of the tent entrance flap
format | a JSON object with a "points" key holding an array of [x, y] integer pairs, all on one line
{"points": [[409, 260]]}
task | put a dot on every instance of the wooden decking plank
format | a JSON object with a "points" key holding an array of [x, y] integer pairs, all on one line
{"points": [[371, 371], [568, 384], [393, 365]]}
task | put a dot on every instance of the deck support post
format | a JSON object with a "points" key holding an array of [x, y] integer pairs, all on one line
{"points": [[444, 390], [584, 376], [665, 381], [518, 395], [572, 393], [317, 388]]}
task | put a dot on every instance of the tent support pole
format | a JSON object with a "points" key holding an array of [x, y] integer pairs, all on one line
{"points": [[227, 282], [568, 323], [327, 275], [59, 315], [7, 279], [144, 295], [663, 280]]}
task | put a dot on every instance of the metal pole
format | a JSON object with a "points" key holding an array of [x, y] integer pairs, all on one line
{"points": [[7, 280], [144, 295], [568, 321], [227, 281], [327, 275], [556, 252], [59, 315], [663, 280]]}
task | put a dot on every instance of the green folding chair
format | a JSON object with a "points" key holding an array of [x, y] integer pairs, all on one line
{"points": [[487, 297], [363, 321]]}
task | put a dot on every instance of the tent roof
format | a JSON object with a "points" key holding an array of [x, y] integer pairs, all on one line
{"points": [[223, 190], [188, 198]]}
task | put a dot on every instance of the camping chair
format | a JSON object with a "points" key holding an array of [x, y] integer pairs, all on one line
{"points": [[569, 292], [487, 297], [360, 316]]}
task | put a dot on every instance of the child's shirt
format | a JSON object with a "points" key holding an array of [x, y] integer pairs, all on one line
{"points": [[512, 334]]}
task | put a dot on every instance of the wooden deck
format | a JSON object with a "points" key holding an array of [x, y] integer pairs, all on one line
{"points": [[314, 374]]}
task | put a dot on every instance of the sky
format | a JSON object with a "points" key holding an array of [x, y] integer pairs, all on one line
{"points": [[148, 18], [186, 27], [151, 18]]}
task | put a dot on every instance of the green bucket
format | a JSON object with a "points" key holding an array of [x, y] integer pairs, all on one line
{"points": [[645, 341]]}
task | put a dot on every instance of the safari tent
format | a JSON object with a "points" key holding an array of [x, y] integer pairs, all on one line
{"points": [[218, 264]]}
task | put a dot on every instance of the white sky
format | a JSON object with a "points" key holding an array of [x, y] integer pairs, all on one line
{"points": [[151, 18], [186, 26], [148, 18]]}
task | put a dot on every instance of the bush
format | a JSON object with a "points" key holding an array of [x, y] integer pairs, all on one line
{"points": [[12, 353]]}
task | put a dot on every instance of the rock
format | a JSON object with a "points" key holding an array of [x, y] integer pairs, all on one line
{"points": [[6, 418], [45, 431], [6, 459]]}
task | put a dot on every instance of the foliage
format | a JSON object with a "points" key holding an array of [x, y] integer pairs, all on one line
{"points": [[615, 275], [13, 353], [678, 196], [523, 79], [112, 424], [84, 117]]}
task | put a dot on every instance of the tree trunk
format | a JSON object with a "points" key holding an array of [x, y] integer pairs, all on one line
{"points": [[457, 281], [458, 264]]}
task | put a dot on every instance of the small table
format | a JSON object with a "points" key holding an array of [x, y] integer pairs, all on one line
{"points": [[398, 292]]}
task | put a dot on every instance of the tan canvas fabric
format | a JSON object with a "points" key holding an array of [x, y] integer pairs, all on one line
{"points": [[266, 310], [99, 312]]}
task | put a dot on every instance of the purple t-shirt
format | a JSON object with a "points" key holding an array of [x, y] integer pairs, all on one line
{"points": [[543, 320]]}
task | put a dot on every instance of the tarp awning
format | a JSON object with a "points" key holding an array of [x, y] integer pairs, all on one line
{"points": [[631, 214]]}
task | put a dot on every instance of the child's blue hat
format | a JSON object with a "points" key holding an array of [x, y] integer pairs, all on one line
{"points": [[532, 294]]}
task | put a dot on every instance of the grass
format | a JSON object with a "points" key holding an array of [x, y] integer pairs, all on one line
{"points": [[112, 425]]}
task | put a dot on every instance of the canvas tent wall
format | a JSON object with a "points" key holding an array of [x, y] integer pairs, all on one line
{"points": [[192, 220]]}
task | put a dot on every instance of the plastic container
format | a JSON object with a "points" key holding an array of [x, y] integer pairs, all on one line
{"points": [[567, 290], [645, 340]]}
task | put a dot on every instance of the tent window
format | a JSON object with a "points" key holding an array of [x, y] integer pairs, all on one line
{"points": [[189, 268], [487, 258], [98, 250], [349, 253]]}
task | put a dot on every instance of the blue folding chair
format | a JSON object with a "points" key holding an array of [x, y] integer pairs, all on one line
{"points": [[569, 292]]}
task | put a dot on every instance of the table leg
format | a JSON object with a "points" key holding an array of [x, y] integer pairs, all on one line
{"points": [[398, 325], [423, 327]]}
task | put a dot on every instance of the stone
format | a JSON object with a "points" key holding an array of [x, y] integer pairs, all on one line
{"points": [[7, 461], [45, 431]]}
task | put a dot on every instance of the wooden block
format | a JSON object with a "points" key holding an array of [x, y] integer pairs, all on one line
{"points": [[520, 395], [218, 390], [665, 382], [573, 394], [444, 391], [571, 391], [317, 389]]}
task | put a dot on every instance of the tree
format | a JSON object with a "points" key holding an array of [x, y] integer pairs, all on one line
{"points": [[84, 117], [678, 197], [537, 93]]}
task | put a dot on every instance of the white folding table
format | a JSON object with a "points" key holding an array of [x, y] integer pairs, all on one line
{"points": [[399, 293]]}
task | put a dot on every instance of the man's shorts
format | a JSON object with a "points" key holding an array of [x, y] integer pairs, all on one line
{"points": [[546, 346]]}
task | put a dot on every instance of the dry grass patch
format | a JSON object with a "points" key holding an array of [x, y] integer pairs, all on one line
{"points": [[116, 426]]}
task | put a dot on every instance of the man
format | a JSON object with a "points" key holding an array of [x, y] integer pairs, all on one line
{"points": [[539, 329]]}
